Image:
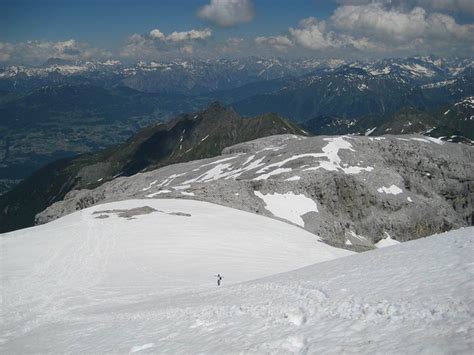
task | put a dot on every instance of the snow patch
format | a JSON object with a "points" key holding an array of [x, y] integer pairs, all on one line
{"points": [[383, 71], [217, 172], [362, 87], [357, 236], [220, 161], [386, 242], [150, 185], [391, 190], [370, 131], [181, 187], [330, 152], [272, 173], [468, 101], [435, 140], [288, 206], [420, 140], [158, 193], [249, 159]]}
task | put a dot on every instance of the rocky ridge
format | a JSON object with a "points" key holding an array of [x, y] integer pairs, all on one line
{"points": [[351, 191], [188, 137]]}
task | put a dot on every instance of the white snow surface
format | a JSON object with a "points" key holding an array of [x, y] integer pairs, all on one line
{"points": [[165, 191], [60, 294], [72, 285], [392, 190], [288, 206], [273, 173], [370, 131], [388, 241]]}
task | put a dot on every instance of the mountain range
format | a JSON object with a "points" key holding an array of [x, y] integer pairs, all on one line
{"points": [[198, 77], [62, 108], [353, 92], [191, 77]]}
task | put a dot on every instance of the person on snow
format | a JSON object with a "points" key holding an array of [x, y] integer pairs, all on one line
{"points": [[219, 279]]}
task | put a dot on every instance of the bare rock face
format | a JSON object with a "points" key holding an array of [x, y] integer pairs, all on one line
{"points": [[351, 191]]}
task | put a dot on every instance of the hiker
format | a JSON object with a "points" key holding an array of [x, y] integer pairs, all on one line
{"points": [[219, 278]]}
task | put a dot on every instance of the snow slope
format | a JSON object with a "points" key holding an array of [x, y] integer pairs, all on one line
{"points": [[69, 278], [413, 298]]}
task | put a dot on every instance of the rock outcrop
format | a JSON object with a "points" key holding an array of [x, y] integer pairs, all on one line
{"points": [[352, 191]]}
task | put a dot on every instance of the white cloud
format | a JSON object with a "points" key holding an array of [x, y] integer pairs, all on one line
{"points": [[227, 13], [35, 52], [280, 43], [357, 28], [377, 27], [176, 36], [377, 21], [140, 47], [451, 6], [157, 45], [157, 34], [361, 43], [312, 34], [398, 26], [316, 35], [189, 35]]}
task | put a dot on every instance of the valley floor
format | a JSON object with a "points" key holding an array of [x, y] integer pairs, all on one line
{"points": [[416, 297]]}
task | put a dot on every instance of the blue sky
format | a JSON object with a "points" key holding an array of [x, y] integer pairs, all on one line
{"points": [[108, 22], [31, 31]]}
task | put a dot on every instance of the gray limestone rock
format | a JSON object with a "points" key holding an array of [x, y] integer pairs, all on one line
{"points": [[352, 191]]}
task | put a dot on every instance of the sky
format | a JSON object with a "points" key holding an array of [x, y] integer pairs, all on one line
{"points": [[31, 31]]}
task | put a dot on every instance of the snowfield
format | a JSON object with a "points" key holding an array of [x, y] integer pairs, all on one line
{"points": [[136, 276], [56, 276]]}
